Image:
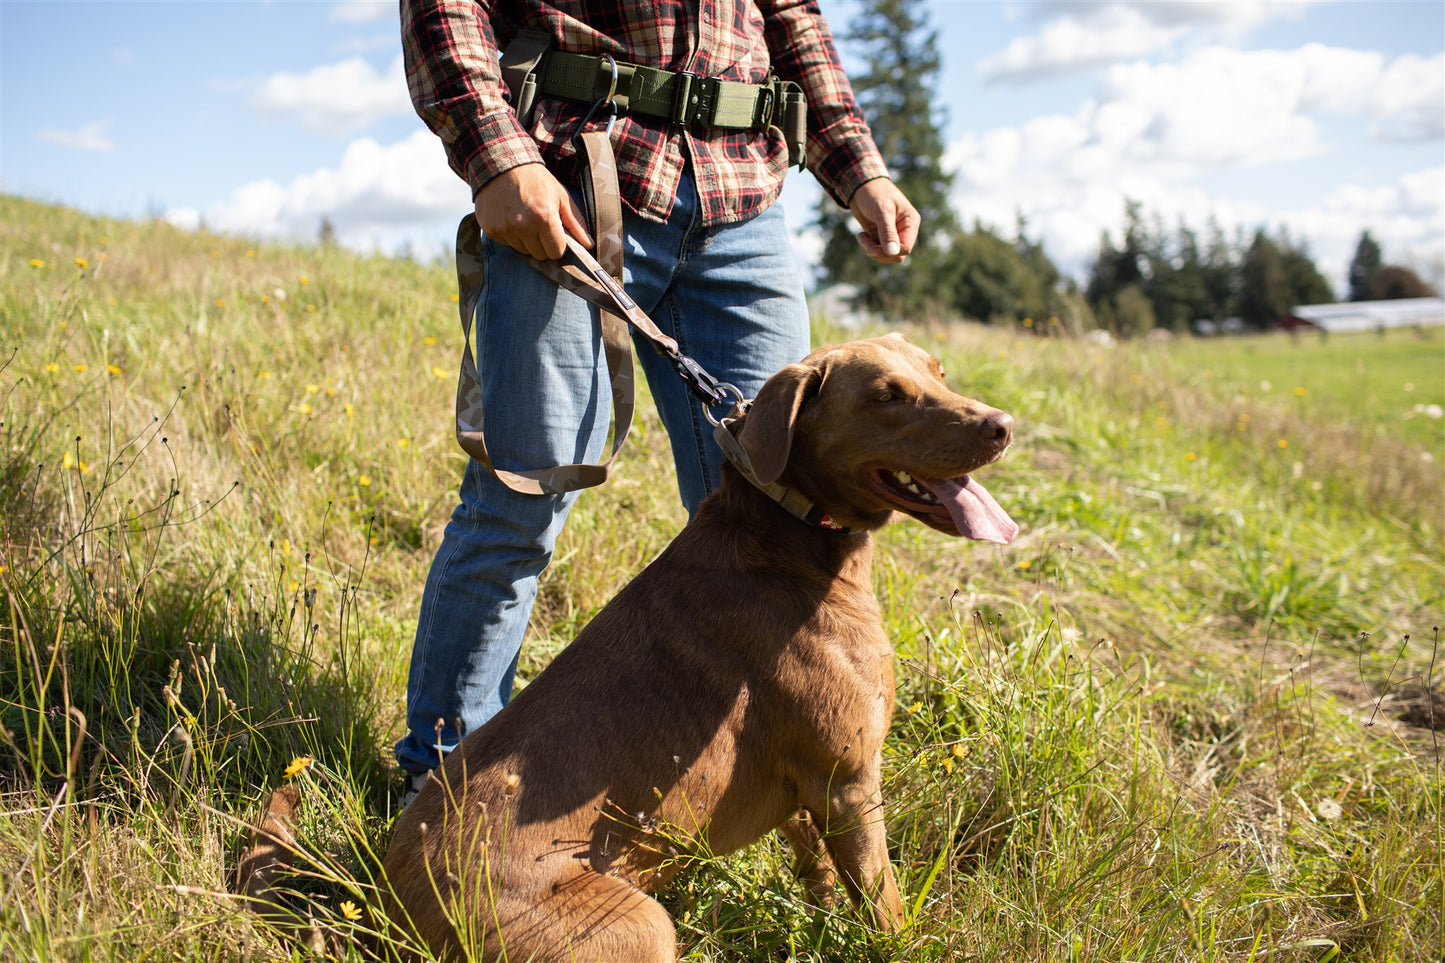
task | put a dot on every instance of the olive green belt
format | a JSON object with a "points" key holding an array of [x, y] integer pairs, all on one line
{"points": [[681, 97]]}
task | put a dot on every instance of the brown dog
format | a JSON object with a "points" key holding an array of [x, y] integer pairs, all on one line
{"points": [[741, 677]]}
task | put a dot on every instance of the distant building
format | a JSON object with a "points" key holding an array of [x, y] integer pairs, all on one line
{"points": [[1365, 315]]}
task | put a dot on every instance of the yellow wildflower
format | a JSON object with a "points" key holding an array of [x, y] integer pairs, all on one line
{"points": [[1189, 456], [305, 279], [439, 372], [52, 367], [364, 481], [1283, 443], [916, 708], [80, 368], [113, 369], [82, 263], [350, 910], [429, 339], [959, 750], [1299, 392], [304, 408], [35, 262], [312, 389], [298, 765]]}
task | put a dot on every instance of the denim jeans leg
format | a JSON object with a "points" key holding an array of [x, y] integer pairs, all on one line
{"points": [[734, 300], [732, 297], [547, 402]]}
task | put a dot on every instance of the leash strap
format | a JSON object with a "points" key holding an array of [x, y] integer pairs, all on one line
{"points": [[598, 281]]}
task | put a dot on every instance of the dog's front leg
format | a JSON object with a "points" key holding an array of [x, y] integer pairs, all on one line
{"points": [[855, 836], [811, 864]]}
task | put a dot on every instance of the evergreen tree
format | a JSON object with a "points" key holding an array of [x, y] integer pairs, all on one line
{"points": [[1264, 290], [1220, 276], [1365, 268], [1306, 284], [895, 91]]}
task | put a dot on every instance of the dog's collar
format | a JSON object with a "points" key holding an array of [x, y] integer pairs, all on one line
{"points": [[791, 499]]}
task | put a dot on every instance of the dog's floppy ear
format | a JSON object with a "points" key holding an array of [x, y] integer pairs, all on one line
{"points": [[767, 434]]}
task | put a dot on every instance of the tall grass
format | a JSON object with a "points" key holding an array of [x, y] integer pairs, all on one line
{"points": [[1192, 713]]}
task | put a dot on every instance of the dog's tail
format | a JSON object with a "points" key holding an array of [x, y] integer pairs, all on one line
{"points": [[272, 850], [269, 856]]}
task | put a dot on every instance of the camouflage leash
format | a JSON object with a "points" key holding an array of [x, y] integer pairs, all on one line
{"points": [[599, 281]]}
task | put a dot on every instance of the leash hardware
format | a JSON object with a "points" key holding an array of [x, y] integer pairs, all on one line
{"points": [[609, 99], [739, 404]]}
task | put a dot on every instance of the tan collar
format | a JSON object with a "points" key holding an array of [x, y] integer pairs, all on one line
{"points": [[791, 499]]}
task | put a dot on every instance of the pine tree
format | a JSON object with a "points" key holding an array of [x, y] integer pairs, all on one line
{"points": [[1365, 268], [1264, 291], [895, 91]]}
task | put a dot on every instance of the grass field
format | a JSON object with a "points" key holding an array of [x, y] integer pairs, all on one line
{"points": [[1191, 713]]}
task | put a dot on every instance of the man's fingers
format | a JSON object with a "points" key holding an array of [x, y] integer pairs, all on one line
{"points": [[574, 223]]}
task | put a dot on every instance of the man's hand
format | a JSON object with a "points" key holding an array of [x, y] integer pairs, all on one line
{"points": [[529, 210], [890, 223]]}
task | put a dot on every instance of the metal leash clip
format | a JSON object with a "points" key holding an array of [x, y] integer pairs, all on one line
{"points": [[607, 99]]}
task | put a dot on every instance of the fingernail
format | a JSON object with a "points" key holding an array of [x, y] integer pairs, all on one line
{"points": [[893, 249]]}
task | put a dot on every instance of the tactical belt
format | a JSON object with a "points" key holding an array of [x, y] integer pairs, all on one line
{"points": [[680, 97], [532, 68]]}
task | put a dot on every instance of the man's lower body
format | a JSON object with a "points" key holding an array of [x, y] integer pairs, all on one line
{"points": [[733, 299]]}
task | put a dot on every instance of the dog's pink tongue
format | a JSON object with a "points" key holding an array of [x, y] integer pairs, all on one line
{"points": [[974, 510]]}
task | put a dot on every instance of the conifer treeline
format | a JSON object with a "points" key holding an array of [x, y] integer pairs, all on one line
{"points": [[1155, 278]]}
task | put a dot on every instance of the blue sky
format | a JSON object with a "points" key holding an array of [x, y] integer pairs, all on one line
{"points": [[260, 118]]}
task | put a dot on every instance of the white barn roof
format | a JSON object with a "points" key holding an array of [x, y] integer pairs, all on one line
{"points": [[1371, 315]]}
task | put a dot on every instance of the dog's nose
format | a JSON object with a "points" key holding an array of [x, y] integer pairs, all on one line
{"points": [[997, 427]]}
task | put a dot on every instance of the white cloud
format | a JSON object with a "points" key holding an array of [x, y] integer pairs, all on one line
{"points": [[334, 98], [374, 197], [1079, 34], [1409, 96], [1069, 42], [1155, 129], [91, 137], [361, 11]]}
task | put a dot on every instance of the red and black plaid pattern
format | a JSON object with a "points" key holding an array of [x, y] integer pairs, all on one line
{"points": [[451, 50]]}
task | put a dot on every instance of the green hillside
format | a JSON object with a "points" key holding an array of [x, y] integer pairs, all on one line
{"points": [[1191, 713]]}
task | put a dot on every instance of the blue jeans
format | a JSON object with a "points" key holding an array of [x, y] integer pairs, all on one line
{"points": [[733, 298]]}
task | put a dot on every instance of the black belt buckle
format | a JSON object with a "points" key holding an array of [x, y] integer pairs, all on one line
{"points": [[694, 99]]}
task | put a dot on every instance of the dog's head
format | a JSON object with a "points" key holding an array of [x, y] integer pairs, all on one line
{"points": [[868, 428]]}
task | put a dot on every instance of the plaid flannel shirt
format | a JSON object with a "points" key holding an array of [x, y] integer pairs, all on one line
{"points": [[451, 50]]}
